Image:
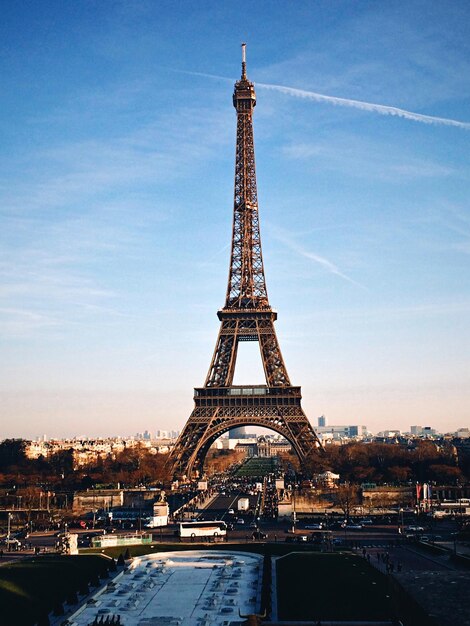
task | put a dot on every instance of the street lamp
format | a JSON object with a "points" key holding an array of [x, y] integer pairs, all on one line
{"points": [[400, 521], [294, 519]]}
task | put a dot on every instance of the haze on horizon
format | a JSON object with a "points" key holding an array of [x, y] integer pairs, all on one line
{"points": [[116, 198]]}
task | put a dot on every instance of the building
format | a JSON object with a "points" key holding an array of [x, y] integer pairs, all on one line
{"points": [[263, 446], [349, 431], [237, 433], [423, 431], [327, 479]]}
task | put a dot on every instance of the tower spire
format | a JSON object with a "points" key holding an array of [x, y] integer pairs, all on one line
{"points": [[243, 61]]}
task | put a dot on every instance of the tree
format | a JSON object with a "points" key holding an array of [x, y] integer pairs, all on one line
{"points": [[399, 474], [12, 453], [217, 461], [62, 463], [347, 496], [445, 474]]}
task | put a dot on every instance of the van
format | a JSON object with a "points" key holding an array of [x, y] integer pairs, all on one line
{"points": [[12, 545]]}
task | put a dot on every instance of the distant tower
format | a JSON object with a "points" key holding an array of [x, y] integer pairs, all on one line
{"points": [[247, 316], [322, 421]]}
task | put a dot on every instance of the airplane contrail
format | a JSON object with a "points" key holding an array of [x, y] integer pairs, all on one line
{"points": [[382, 109], [287, 240], [365, 106]]}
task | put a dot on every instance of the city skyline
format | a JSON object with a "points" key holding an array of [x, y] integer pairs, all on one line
{"points": [[117, 191], [418, 431]]}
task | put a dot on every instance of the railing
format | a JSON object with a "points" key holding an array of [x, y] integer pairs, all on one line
{"points": [[242, 390]]}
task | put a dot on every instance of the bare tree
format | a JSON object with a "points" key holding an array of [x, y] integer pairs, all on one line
{"points": [[347, 497]]}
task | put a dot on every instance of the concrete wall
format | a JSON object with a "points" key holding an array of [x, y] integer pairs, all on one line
{"points": [[87, 501], [93, 499]]}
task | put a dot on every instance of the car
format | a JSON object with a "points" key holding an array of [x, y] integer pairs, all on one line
{"points": [[352, 526], [240, 521], [431, 538], [415, 529], [84, 542], [301, 538], [231, 512], [313, 526], [253, 525], [11, 544], [21, 534], [366, 522], [258, 535]]}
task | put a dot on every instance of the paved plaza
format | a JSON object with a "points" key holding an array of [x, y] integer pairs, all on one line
{"points": [[193, 588]]}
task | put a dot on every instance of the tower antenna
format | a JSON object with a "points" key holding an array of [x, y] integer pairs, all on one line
{"points": [[243, 61]]}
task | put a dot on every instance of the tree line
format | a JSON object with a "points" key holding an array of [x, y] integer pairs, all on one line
{"points": [[398, 463], [355, 462]]}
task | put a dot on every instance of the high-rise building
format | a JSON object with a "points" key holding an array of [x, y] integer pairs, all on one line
{"points": [[237, 433], [322, 421], [339, 431]]}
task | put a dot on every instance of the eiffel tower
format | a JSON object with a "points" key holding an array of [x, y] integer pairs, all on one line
{"points": [[246, 316]]}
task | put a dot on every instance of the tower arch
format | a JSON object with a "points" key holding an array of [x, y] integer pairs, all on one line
{"points": [[196, 463]]}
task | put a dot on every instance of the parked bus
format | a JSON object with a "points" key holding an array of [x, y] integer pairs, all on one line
{"points": [[202, 529]]}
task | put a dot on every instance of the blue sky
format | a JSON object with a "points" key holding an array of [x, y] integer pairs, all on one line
{"points": [[116, 192]]}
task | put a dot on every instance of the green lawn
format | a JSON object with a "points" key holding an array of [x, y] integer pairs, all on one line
{"points": [[33, 587], [257, 467], [314, 586]]}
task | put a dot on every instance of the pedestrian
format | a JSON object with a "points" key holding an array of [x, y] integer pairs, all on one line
{"points": [[368, 558], [364, 552]]}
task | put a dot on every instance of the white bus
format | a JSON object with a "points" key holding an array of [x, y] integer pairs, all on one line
{"points": [[202, 529]]}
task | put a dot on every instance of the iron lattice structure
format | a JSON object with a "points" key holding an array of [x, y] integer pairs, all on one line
{"points": [[246, 316]]}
